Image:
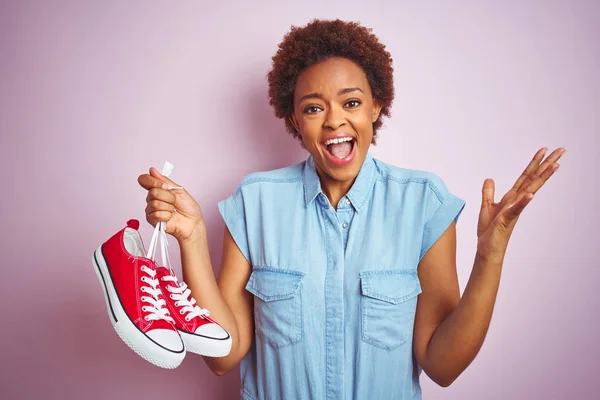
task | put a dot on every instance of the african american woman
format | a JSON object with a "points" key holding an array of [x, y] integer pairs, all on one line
{"points": [[338, 278]]}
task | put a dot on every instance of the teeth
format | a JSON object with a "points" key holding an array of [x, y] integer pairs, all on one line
{"points": [[340, 140]]}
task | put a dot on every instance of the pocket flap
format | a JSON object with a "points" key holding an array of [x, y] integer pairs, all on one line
{"points": [[270, 283], [393, 286]]}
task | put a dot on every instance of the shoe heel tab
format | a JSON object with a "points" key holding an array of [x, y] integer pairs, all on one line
{"points": [[133, 223]]}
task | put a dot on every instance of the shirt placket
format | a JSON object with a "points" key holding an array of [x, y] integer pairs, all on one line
{"points": [[334, 302], [345, 214]]}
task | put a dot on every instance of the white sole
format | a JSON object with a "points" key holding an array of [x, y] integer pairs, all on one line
{"points": [[204, 346], [137, 341]]}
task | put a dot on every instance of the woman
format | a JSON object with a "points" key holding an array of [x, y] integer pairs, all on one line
{"points": [[338, 278]]}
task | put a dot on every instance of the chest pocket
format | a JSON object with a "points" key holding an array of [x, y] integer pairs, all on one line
{"points": [[277, 294], [388, 306]]}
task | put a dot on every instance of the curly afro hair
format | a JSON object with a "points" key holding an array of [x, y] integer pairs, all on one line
{"points": [[321, 39]]}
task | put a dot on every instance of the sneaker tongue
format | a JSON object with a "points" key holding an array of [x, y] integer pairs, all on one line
{"points": [[340, 150], [161, 270]]}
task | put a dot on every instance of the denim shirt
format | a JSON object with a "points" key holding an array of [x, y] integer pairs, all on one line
{"points": [[335, 291]]}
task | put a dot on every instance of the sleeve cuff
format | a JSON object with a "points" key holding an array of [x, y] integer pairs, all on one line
{"points": [[447, 212], [235, 223]]}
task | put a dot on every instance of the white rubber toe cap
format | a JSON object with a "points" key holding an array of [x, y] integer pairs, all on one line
{"points": [[212, 330], [166, 338]]}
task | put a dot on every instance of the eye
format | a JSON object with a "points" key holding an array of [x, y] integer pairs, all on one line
{"points": [[312, 109], [353, 103]]}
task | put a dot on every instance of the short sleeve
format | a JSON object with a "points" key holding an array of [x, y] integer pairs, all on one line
{"points": [[235, 219], [442, 207]]}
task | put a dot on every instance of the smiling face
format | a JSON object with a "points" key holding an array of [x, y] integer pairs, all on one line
{"points": [[334, 112]]}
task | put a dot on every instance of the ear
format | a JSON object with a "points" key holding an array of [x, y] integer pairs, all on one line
{"points": [[376, 110], [294, 122]]}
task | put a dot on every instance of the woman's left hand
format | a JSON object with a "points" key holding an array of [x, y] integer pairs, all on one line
{"points": [[497, 220]]}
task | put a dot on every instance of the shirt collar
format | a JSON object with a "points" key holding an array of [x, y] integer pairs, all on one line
{"points": [[358, 193]]}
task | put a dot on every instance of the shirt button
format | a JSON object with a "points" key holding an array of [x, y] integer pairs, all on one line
{"points": [[347, 201], [345, 225]]}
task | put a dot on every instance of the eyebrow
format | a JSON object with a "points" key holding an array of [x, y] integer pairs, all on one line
{"points": [[320, 96]]}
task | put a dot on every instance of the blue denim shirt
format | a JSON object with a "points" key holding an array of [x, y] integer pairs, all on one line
{"points": [[335, 292]]}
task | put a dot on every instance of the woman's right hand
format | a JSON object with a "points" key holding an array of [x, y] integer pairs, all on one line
{"points": [[176, 207]]}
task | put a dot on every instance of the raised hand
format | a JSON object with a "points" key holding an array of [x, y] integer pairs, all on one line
{"points": [[497, 220]]}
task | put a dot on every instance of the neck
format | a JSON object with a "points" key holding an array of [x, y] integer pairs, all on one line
{"points": [[334, 190]]}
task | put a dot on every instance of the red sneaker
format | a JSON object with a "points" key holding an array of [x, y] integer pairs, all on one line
{"points": [[134, 300], [200, 334]]}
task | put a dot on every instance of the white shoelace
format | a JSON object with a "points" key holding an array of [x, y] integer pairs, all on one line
{"points": [[156, 310], [181, 294]]}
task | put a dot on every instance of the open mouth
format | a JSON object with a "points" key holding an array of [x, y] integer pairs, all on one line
{"points": [[340, 148], [340, 151]]}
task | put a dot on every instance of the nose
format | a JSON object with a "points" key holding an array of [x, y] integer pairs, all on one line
{"points": [[334, 118]]}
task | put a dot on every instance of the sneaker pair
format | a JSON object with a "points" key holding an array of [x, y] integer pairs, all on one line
{"points": [[151, 311]]}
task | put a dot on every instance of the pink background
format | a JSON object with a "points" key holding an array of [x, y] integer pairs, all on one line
{"points": [[92, 95]]}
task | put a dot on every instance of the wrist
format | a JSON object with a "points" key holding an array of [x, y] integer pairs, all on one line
{"points": [[486, 258], [197, 233]]}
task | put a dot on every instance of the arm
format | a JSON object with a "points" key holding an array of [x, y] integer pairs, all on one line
{"points": [[450, 330], [226, 298]]}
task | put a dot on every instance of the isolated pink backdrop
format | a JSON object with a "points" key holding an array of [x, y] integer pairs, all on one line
{"points": [[92, 95]]}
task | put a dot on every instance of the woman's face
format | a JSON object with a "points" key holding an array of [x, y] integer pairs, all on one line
{"points": [[333, 100]]}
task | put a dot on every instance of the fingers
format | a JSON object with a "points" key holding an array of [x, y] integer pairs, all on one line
{"points": [[154, 173], [545, 171], [159, 210], [160, 201], [535, 175], [487, 193], [533, 165], [548, 162], [550, 171], [160, 205], [508, 197], [158, 216], [536, 182], [155, 180], [148, 182], [551, 159], [156, 205], [164, 195], [513, 211]]}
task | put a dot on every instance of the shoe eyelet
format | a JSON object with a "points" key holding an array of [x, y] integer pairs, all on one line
{"points": [[171, 297], [146, 318], [187, 319], [181, 312]]}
